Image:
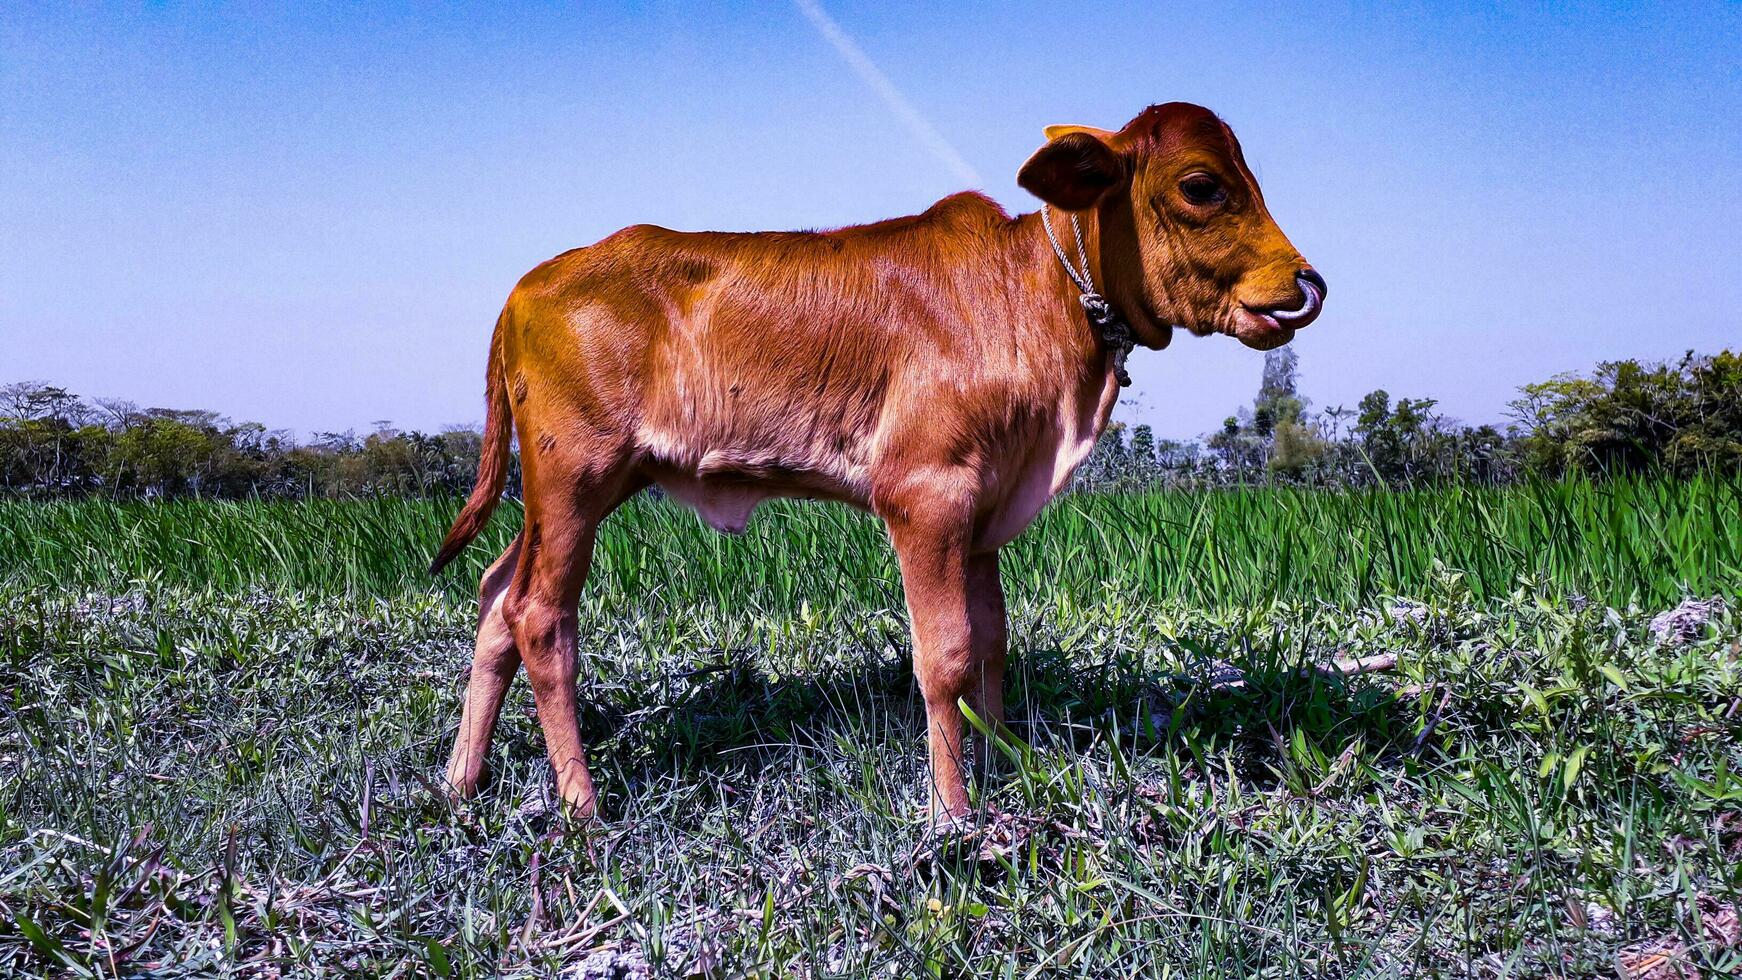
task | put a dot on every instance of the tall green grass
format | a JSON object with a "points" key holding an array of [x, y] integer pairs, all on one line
{"points": [[1633, 540]]}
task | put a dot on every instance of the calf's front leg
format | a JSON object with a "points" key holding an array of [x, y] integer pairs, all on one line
{"points": [[987, 629], [958, 642]]}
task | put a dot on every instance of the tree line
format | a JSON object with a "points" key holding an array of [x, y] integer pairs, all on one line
{"points": [[1679, 416], [54, 443]]}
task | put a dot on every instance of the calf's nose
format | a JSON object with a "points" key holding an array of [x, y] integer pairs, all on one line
{"points": [[1312, 300]]}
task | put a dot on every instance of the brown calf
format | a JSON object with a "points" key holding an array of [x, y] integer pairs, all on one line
{"points": [[936, 370]]}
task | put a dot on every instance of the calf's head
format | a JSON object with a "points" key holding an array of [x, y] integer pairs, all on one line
{"points": [[1184, 236]]}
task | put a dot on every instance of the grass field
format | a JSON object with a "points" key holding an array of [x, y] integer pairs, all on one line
{"points": [[220, 725]]}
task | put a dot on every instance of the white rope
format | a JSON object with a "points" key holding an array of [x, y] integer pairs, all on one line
{"points": [[1084, 282], [1112, 327]]}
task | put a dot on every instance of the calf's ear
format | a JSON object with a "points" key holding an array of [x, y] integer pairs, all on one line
{"points": [[1054, 132], [1074, 169]]}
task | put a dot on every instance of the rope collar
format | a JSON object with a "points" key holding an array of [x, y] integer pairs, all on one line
{"points": [[1114, 331]]}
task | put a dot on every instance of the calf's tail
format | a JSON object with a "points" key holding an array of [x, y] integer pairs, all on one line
{"points": [[492, 459]]}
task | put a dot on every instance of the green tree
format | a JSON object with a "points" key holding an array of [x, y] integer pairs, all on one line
{"points": [[1629, 415], [1280, 417]]}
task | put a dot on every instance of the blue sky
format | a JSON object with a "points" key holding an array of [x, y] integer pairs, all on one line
{"points": [[310, 216]]}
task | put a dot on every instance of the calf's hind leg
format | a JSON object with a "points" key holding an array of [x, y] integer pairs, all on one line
{"points": [[565, 502], [495, 660]]}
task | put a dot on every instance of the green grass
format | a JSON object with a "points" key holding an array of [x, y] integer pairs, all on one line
{"points": [[219, 724], [1645, 540]]}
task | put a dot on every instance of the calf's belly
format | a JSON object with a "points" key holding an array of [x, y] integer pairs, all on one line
{"points": [[724, 507], [724, 476]]}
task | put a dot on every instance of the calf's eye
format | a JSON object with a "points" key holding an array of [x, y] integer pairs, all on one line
{"points": [[1202, 189]]}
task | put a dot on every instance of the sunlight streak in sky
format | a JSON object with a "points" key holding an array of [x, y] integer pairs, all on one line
{"points": [[918, 125]]}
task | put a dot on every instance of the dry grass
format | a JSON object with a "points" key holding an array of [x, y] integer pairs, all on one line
{"points": [[237, 781]]}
